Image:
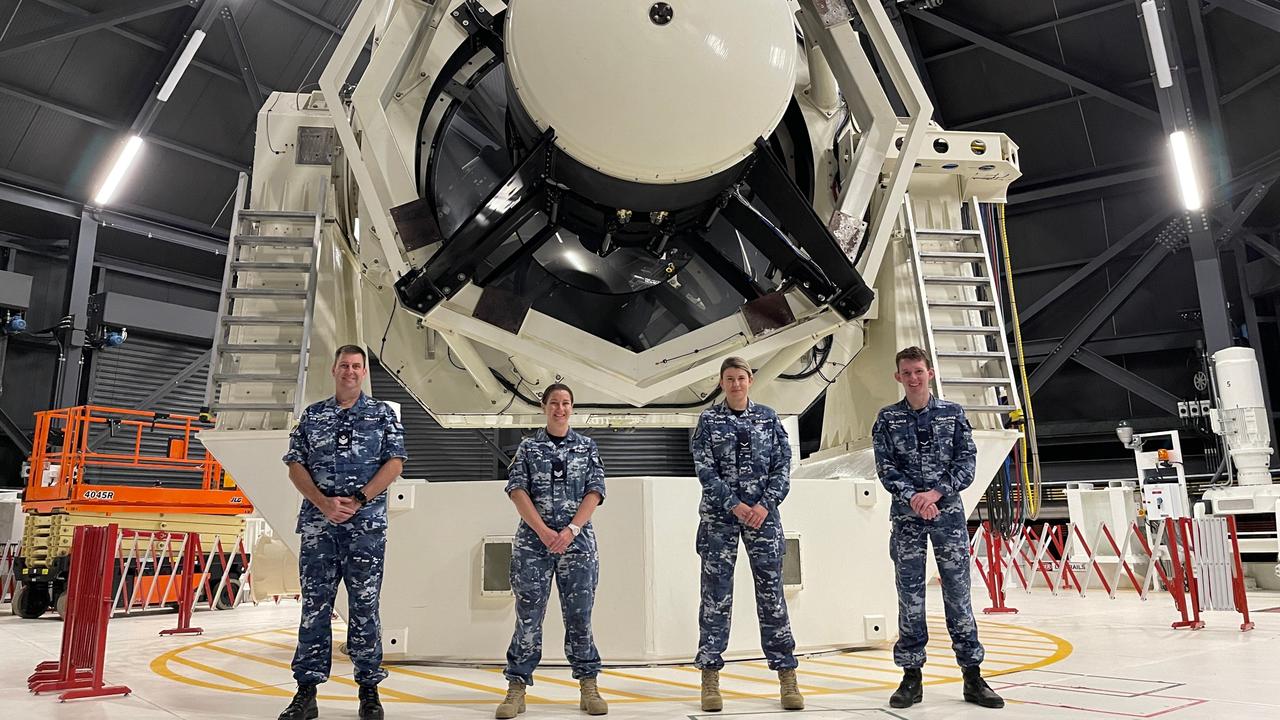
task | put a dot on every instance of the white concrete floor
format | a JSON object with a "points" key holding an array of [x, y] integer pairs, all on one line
{"points": [[1061, 657]]}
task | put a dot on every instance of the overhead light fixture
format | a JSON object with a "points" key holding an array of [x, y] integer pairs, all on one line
{"points": [[188, 54], [1159, 56], [1187, 183], [123, 162]]}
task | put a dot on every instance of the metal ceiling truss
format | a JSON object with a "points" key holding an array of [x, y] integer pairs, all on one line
{"points": [[104, 122], [1038, 350], [145, 41], [247, 75], [1050, 69], [1102, 311], [1261, 12], [1087, 181], [123, 13], [129, 223], [1063, 20], [150, 110], [1178, 115], [1130, 381]]}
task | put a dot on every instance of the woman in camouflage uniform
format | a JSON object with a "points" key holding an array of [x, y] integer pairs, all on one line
{"points": [[556, 481]]}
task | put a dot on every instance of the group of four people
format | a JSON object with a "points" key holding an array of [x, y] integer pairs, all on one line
{"points": [[346, 451]]}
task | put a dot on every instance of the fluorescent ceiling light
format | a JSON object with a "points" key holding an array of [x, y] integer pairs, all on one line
{"points": [[1159, 56], [1181, 147], [130, 152], [188, 54]]}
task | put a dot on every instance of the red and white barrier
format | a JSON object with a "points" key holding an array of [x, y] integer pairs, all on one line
{"points": [[1202, 555], [159, 568], [226, 592]]}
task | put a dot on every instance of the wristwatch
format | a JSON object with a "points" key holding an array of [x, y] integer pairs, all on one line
{"points": [[360, 498], [575, 529]]}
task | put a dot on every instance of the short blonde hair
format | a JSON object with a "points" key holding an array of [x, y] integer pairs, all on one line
{"points": [[735, 362]]}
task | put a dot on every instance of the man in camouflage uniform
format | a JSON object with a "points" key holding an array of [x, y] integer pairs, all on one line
{"points": [[743, 459], [556, 481], [925, 456], [343, 454]]}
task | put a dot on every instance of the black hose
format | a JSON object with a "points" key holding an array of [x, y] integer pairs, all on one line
{"points": [[818, 362]]}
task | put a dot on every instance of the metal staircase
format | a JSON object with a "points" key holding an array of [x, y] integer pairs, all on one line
{"points": [[261, 343], [963, 323]]}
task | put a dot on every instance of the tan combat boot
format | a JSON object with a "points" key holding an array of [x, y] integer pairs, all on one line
{"points": [[513, 704], [711, 700], [591, 700], [791, 697]]}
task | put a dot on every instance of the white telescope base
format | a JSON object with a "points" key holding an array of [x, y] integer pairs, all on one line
{"points": [[434, 607]]}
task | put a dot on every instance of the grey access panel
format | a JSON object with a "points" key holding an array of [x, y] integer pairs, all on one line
{"points": [[15, 290]]}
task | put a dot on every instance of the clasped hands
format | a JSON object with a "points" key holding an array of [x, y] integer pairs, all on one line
{"points": [[752, 516], [556, 542], [925, 504], [338, 510]]}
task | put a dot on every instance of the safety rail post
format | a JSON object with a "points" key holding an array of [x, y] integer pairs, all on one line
{"points": [[1237, 576], [995, 570], [1060, 538], [1183, 589], [187, 588], [78, 670], [1039, 546], [1092, 561], [1122, 560]]}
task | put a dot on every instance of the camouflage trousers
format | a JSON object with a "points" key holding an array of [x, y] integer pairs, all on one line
{"points": [[332, 555], [576, 573], [907, 546], [718, 545]]}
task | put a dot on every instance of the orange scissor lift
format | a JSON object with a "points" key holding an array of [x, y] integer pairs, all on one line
{"points": [[169, 491]]}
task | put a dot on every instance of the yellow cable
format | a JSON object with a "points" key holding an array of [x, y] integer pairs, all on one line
{"points": [[1031, 481]]}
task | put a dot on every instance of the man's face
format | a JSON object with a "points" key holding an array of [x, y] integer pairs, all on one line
{"points": [[735, 382], [914, 376], [349, 371], [558, 408]]}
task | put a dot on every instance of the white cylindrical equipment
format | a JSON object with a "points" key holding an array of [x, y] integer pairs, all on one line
{"points": [[1242, 414], [654, 98]]}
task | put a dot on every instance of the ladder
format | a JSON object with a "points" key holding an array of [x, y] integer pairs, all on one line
{"points": [[258, 365], [963, 320]]}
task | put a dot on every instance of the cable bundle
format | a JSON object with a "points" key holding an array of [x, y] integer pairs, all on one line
{"points": [[1016, 494]]}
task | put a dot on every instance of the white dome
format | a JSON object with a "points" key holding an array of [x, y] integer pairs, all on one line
{"points": [[652, 101]]}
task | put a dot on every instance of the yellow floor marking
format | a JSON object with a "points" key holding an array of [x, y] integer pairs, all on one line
{"points": [[1055, 649], [749, 678], [268, 643], [392, 694], [947, 649], [251, 685], [461, 683], [1020, 637], [892, 671], [672, 683], [877, 658], [574, 684], [805, 670]]}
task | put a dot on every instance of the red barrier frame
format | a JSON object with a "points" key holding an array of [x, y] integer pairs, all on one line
{"points": [[78, 669]]}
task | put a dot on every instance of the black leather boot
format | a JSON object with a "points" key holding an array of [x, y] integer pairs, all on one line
{"points": [[303, 705], [370, 706], [910, 691], [977, 691]]}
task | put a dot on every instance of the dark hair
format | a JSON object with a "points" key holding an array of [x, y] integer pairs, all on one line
{"points": [[350, 350], [735, 362], [546, 394], [912, 353]]}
